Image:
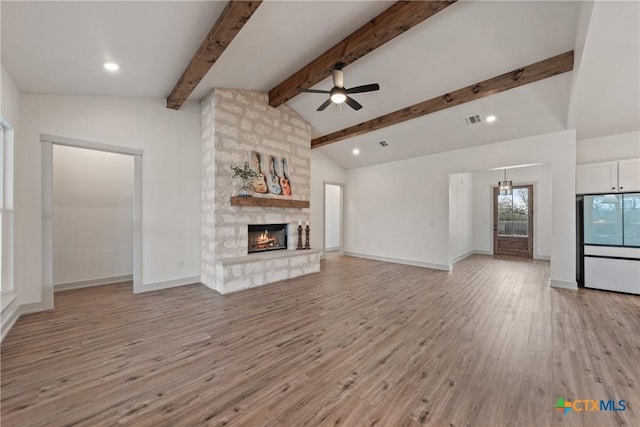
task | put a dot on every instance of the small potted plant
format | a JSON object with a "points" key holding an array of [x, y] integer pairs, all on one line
{"points": [[246, 174]]}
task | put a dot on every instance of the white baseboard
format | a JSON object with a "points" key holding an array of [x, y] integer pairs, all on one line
{"points": [[478, 252], [542, 257], [463, 256], [170, 284], [12, 313], [444, 267], [34, 307], [92, 282], [562, 284]]}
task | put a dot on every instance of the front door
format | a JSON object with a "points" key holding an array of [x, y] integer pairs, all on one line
{"points": [[513, 222]]}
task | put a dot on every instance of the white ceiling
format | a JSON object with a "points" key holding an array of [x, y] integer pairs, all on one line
{"points": [[607, 91], [533, 109], [59, 47]]}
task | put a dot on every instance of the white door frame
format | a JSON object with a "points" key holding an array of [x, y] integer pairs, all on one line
{"points": [[324, 215], [47, 142]]}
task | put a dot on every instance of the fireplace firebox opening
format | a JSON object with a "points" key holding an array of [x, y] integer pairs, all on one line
{"points": [[266, 237]]}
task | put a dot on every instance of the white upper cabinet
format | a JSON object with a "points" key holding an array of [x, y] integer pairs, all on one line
{"points": [[629, 175], [595, 178], [608, 177]]}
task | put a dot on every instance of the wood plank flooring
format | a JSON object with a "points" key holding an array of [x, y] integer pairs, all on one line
{"points": [[363, 343]]}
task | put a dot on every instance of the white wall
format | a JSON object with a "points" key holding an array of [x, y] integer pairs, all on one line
{"points": [[608, 147], [92, 215], [332, 203], [10, 99], [322, 170], [484, 181], [170, 141], [461, 193], [400, 210]]}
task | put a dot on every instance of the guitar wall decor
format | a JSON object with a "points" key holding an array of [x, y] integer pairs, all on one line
{"points": [[259, 183], [273, 180], [273, 174], [284, 179]]}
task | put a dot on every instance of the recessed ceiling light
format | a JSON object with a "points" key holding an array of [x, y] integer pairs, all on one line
{"points": [[111, 66], [491, 119], [356, 151]]}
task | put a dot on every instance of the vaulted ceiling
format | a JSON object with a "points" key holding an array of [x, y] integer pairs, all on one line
{"points": [[59, 47]]}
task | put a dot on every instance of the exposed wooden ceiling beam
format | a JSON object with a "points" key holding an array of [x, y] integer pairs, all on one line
{"points": [[531, 73], [395, 20], [228, 25]]}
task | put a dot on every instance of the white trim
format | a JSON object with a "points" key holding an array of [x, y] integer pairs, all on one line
{"points": [[47, 224], [7, 299], [35, 307], [14, 314], [194, 280], [47, 208], [443, 267], [10, 315], [561, 284], [57, 287], [463, 256], [479, 252], [324, 216], [488, 253], [89, 145], [606, 159], [137, 224]]}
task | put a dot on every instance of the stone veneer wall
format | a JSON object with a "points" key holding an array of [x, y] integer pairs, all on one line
{"points": [[235, 122]]}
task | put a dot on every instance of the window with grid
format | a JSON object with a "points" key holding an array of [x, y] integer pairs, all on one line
{"points": [[6, 207]]}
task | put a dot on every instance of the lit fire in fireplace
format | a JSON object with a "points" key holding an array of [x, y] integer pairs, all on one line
{"points": [[265, 241]]}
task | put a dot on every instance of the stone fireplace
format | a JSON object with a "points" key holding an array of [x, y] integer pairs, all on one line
{"points": [[234, 123], [266, 237]]}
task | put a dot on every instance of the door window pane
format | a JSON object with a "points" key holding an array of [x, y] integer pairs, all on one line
{"points": [[631, 204], [603, 219], [513, 213]]}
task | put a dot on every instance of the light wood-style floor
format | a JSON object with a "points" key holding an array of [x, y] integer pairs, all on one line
{"points": [[363, 343]]}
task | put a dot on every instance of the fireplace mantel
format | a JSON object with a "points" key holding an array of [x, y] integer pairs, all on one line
{"points": [[269, 203]]}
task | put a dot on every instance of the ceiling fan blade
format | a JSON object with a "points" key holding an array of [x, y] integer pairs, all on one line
{"points": [[353, 103], [338, 78], [314, 91], [364, 88], [324, 105]]}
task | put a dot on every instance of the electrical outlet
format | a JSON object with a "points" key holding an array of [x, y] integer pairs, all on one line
{"points": [[181, 263]]}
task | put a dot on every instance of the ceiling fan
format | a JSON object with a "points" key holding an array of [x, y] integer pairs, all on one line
{"points": [[339, 94]]}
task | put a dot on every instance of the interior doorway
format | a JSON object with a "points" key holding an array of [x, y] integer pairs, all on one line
{"points": [[513, 222], [92, 218], [47, 142], [333, 224]]}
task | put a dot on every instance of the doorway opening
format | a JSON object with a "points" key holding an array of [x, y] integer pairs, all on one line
{"points": [[513, 222], [92, 218], [333, 221], [47, 144]]}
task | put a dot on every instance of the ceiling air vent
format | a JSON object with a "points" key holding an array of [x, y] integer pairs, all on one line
{"points": [[472, 120], [383, 143]]}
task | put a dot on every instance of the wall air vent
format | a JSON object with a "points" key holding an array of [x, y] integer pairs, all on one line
{"points": [[383, 143], [472, 120]]}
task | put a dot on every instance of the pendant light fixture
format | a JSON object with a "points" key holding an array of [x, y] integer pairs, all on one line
{"points": [[505, 186]]}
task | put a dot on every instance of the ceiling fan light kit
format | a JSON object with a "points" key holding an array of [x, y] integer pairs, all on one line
{"points": [[339, 94]]}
